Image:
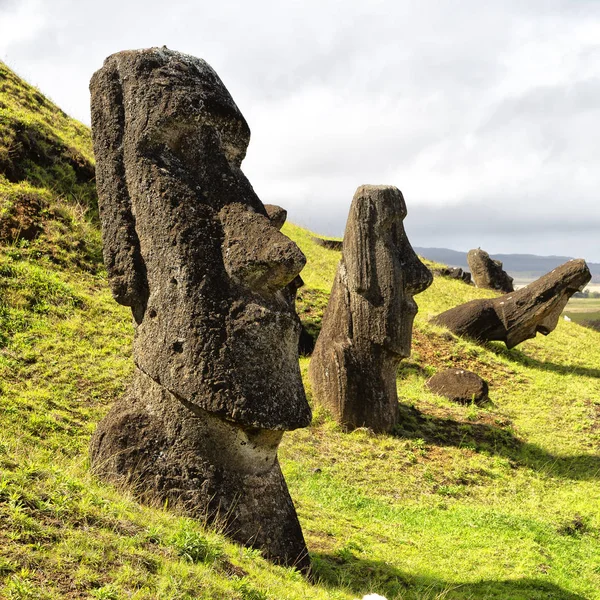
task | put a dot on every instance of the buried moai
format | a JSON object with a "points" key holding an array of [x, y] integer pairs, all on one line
{"points": [[190, 248], [488, 273], [367, 326], [519, 316]]}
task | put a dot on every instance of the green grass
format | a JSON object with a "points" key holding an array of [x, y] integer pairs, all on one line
{"points": [[583, 310], [461, 502], [48, 202]]}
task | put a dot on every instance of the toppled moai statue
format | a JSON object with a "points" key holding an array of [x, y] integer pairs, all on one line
{"points": [[329, 244], [518, 316], [190, 248], [488, 273], [454, 273], [459, 385], [367, 326]]}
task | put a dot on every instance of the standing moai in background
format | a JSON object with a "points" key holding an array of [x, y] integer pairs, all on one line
{"points": [[190, 248], [367, 326], [488, 273]]}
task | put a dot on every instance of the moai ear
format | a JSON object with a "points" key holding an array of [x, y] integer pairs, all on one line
{"points": [[121, 246], [359, 250]]}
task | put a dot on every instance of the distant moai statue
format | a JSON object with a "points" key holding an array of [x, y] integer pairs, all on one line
{"points": [[367, 326], [190, 248], [521, 315], [488, 273]]}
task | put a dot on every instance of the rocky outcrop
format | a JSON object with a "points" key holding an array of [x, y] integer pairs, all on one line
{"points": [[211, 283], [459, 385], [488, 273], [367, 326], [518, 316]]}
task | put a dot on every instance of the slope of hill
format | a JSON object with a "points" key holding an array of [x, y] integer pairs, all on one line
{"points": [[519, 266], [461, 502], [47, 187]]}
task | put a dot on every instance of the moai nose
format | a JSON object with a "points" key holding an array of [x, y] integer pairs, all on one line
{"points": [[255, 253]]}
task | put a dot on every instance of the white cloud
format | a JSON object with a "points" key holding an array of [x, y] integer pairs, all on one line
{"points": [[472, 104], [20, 23]]}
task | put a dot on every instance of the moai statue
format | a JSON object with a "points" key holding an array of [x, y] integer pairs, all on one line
{"points": [[521, 315], [488, 273], [367, 326], [189, 247]]}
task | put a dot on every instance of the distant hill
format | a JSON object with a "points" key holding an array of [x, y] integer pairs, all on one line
{"points": [[518, 266]]}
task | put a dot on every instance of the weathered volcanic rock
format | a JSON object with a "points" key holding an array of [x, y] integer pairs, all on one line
{"points": [[367, 326], [276, 214], [459, 385], [520, 315], [488, 273], [211, 283]]}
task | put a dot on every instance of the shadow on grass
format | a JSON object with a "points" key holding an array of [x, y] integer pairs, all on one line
{"points": [[345, 570], [519, 357], [440, 431]]}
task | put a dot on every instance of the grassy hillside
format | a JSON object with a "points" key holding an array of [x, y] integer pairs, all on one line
{"points": [[47, 187], [461, 502]]}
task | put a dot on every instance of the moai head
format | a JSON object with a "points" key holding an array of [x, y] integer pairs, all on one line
{"points": [[521, 315], [188, 244], [367, 327], [382, 268]]}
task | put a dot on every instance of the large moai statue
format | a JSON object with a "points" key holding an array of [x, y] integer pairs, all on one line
{"points": [[210, 280], [367, 326]]}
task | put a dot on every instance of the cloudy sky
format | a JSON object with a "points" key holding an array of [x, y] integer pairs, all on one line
{"points": [[485, 114]]}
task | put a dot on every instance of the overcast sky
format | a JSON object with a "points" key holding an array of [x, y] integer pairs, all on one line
{"points": [[486, 114]]}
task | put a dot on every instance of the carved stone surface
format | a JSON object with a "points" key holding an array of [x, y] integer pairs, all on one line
{"points": [[190, 248], [488, 273], [367, 326], [518, 316], [276, 214], [459, 385]]}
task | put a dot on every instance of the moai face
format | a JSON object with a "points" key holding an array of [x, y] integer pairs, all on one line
{"points": [[188, 244], [385, 271]]}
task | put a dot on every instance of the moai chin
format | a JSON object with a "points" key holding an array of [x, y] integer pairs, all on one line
{"points": [[189, 247], [367, 326]]}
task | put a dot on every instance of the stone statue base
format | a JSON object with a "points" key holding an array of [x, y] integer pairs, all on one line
{"points": [[210, 468]]}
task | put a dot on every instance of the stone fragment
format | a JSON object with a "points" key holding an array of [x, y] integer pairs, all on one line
{"points": [[460, 386], [276, 214], [211, 283], [367, 326], [488, 273], [518, 316]]}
